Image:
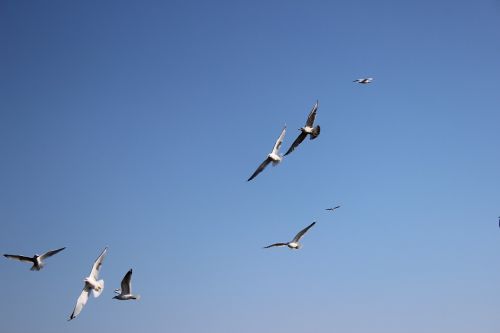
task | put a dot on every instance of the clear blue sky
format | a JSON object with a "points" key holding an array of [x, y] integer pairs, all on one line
{"points": [[135, 124]]}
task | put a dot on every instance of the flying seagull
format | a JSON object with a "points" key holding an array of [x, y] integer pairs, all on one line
{"points": [[125, 293], [307, 129], [364, 80], [36, 260], [91, 283], [332, 209], [294, 244], [273, 157]]}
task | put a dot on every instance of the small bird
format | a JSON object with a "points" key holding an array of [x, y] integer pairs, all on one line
{"points": [[36, 260], [294, 244], [499, 221], [125, 293], [91, 283], [307, 129], [273, 157], [364, 81], [332, 209]]}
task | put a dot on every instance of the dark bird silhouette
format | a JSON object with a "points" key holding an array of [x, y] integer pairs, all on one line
{"points": [[332, 209], [364, 80]]}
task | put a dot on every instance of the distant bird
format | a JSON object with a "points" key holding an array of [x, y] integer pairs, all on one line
{"points": [[364, 81], [332, 209], [36, 260], [125, 293], [91, 283], [307, 129], [499, 221], [273, 157], [294, 244]]}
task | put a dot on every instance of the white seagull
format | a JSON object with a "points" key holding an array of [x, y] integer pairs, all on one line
{"points": [[307, 129], [36, 260], [294, 244], [125, 293], [91, 283], [273, 157], [364, 80]]}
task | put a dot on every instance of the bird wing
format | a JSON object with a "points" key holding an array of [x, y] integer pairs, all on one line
{"points": [[127, 283], [20, 258], [51, 253], [297, 142], [97, 264], [278, 143], [260, 168], [312, 115], [80, 302], [275, 244], [302, 232]]}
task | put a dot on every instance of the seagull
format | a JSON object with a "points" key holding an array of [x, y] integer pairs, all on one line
{"points": [[364, 80], [36, 260], [294, 244], [307, 129], [125, 293], [91, 283], [273, 157], [332, 209]]}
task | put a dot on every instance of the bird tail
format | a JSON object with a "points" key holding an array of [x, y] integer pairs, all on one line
{"points": [[99, 290], [315, 132], [275, 163], [36, 267]]}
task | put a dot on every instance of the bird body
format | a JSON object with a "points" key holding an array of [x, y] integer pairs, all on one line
{"points": [[96, 286], [275, 157], [36, 261]]}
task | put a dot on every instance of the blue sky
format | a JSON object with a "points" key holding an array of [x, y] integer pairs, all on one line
{"points": [[135, 125]]}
